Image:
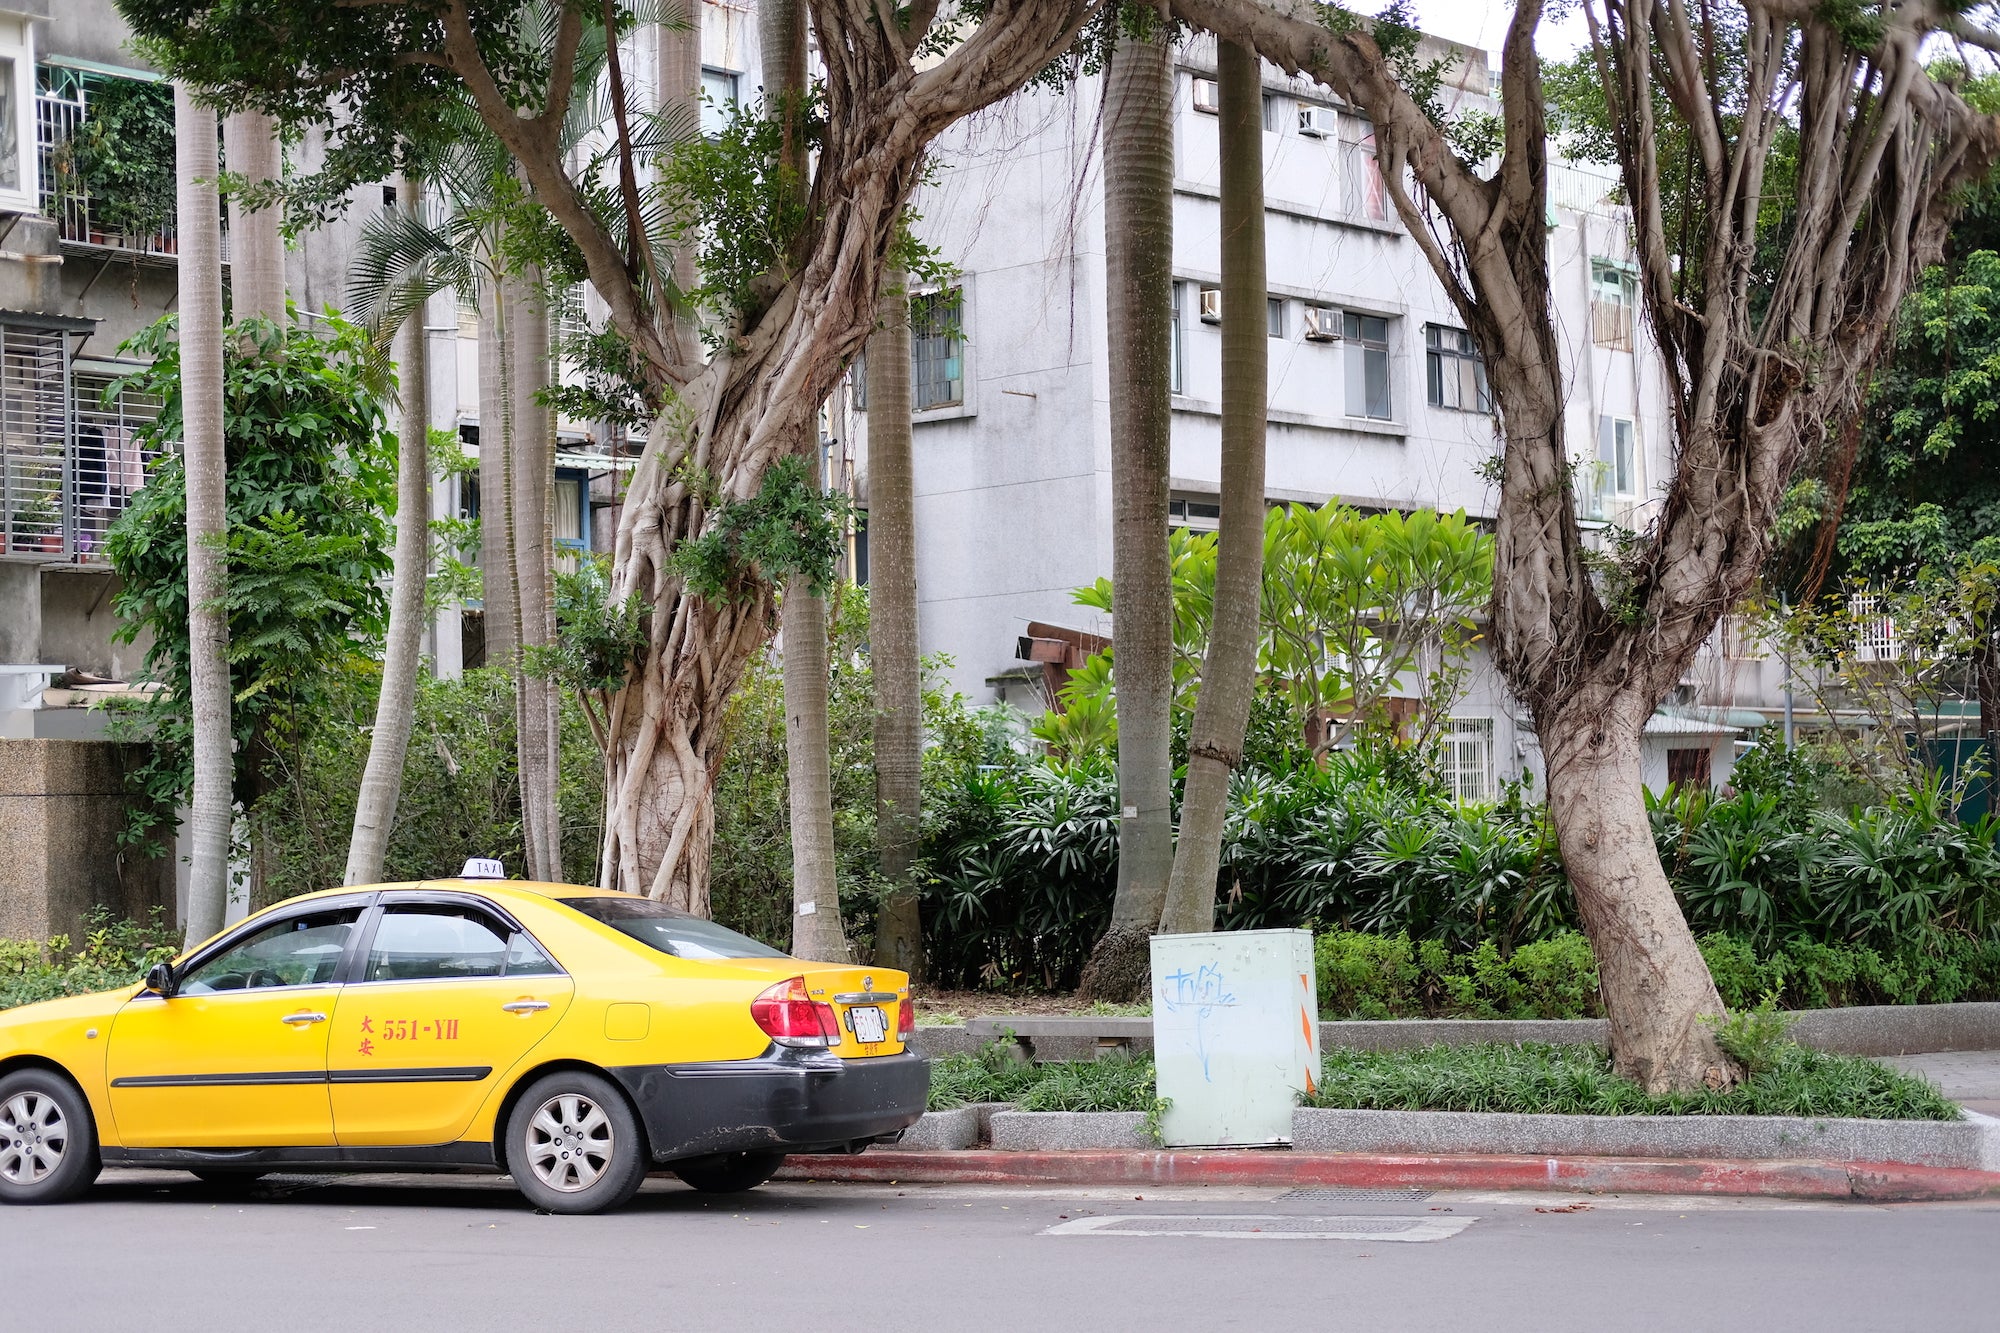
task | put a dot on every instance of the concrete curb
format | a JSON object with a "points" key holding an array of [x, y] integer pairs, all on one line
{"points": [[1972, 1144], [1884, 1029], [1069, 1131], [1874, 1181], [943, 1131]]}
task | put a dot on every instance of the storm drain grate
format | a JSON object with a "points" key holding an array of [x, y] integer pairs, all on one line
{"points": [[1249, 1226], [1408, 1193]]}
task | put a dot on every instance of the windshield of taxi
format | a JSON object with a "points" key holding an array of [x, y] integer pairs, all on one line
{"points": [[670, 931]]}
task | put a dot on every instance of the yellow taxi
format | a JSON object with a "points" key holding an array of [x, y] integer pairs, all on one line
{"points": [[572, 1038]]}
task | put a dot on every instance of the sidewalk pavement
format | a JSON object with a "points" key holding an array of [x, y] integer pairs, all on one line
{"points": [[1970, 1078]]}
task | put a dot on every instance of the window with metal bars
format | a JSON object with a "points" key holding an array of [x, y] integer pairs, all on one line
{"points": [[34, 440], [1468, 758], [937, 363]]}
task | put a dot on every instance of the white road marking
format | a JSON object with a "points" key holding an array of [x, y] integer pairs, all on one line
{"points": [[1267, 1226]]}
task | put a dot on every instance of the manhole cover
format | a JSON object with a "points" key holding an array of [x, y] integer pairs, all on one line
{"points": [[1252, 1226], [1410, 1193]]}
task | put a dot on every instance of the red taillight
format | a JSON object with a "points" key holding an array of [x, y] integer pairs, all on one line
{"points": [[906, 1020], [788, 1015]]}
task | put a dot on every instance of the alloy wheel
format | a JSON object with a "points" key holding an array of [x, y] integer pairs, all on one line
{"points": [[33, 1137], [569, 1142]]}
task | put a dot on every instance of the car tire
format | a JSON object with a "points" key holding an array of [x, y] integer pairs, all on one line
{"points": [[48, 1142], [573, 1144], [731, 1173]]}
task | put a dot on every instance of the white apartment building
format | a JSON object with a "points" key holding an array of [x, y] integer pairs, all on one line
{"points": [[1377, 396]]}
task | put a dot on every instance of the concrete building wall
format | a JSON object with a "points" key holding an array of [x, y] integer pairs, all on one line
{"points": [[62, 804]]}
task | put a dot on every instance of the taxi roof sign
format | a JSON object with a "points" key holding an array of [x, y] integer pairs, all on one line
{"points": [[483, 867]]}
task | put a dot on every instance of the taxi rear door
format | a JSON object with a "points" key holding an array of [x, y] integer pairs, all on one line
{"points": [[449, 996]]}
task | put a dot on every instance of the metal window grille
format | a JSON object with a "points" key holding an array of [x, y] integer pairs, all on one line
{"points": [[1875, 637], [34, 439], [1468, 758], [110, 460], [937, 368], [1454, 372]]}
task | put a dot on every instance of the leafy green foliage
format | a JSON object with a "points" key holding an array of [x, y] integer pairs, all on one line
{"points": [[598, 641], [1577, 1080], [995, 1075], [729, 195], [114, 953], [461, 792], [1756, 1037], [122, 155], [790, 529], [1389, 976], [310, 480]]}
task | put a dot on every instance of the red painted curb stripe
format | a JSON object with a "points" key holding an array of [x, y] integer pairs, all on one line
{"points": [[1880, 1181]]}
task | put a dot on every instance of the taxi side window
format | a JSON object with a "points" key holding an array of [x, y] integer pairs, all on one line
{"points": [[440, 943], [298, 951]]}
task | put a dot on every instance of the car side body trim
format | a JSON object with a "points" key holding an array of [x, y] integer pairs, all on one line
{"points": [[287, 1077], [466, 1155]]}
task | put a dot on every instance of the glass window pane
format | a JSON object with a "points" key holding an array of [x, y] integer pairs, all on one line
{"points": [[718, 87], [526, 959], [1274, 317], [435, 943], [1357, 390], [299, 951], [10, 129], [936, 369], [1174, 383], [1377, 371], [1375, 330], [671, 932], [1435, 380]]}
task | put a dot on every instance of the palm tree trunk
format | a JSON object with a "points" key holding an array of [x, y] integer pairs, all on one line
{"points": [[532, 478], [1138, 261], [200, 219], [389, 742], [256, 247], [893, 649], [496, 551], [818, 930], [818, 927], [1229, 668]]}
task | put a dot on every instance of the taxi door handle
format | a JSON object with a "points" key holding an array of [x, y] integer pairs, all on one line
{"points": [[304, 1016], [525, 1006]]}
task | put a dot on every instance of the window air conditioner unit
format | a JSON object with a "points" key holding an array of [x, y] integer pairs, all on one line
{"points": [[1211, 305], [1316, 122], [1322, 324], [1207, 96]]}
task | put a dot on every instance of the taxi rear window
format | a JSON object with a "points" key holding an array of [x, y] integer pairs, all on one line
{"points": [[670, 931]]}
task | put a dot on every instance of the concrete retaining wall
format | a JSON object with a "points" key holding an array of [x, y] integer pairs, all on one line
{"points": [[1899, 1029], [944, 1130], [1972, 1144], [1061, 1131]]}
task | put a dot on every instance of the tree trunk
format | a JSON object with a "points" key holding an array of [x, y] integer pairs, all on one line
{"points": [[200, 222], [893, 647], [256, 247], [818, 932], [1138, 261], [818, 926], [496, 551], [1229, 668], [664, 745], [531, 478], [1658, 996], [389, 742]]}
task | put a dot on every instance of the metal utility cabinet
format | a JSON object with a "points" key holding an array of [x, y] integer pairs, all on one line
{"points": [[1235, 1035]]}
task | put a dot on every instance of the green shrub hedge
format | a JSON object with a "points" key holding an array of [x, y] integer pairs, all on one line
{"points": [[113, 954]]}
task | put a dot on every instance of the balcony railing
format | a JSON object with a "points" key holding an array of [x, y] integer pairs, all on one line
{"points": [[62, 105]]}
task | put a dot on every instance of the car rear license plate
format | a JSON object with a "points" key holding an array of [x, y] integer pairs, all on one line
{"points": [[868, 1024]]}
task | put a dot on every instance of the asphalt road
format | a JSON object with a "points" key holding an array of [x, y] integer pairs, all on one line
{"points": [[157, 1250]]}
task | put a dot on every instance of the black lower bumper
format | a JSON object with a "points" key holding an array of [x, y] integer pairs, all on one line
{"points": [[783, 1101]]}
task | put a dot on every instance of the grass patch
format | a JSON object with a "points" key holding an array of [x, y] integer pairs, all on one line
{"points": [[1577, 1080], [1111, 1084]]}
